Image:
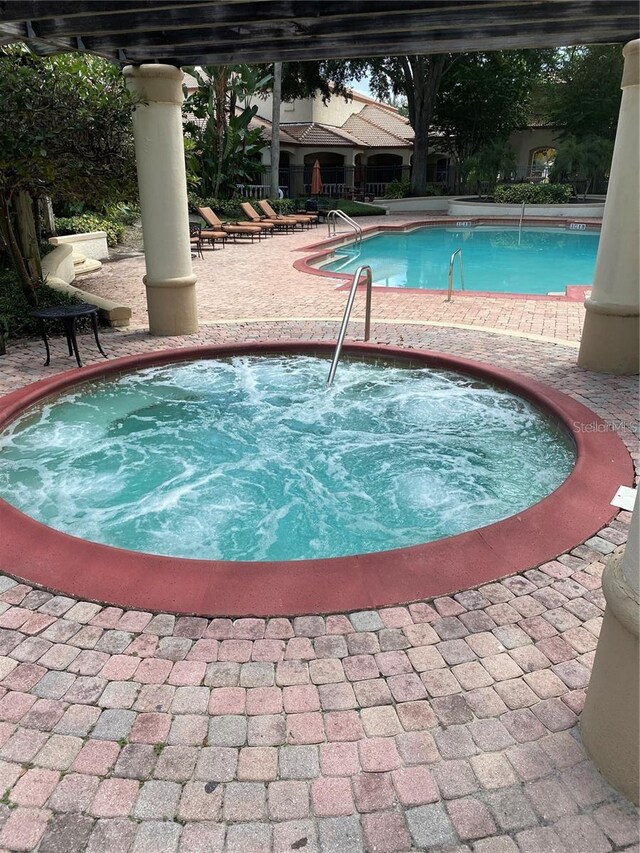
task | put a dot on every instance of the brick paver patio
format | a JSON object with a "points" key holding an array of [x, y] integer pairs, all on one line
{"points": [[446, 725]]}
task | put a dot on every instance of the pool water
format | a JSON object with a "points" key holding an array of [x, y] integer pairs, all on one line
{"points": [[252, 458], [543, 261]]}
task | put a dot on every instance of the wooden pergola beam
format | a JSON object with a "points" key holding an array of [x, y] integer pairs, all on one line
{"points": [[228, 31], [443, 25]]}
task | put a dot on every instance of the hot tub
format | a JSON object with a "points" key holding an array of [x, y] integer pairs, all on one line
{"points": [[223, 480]]}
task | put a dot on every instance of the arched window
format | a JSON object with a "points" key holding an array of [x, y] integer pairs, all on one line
{"points": [[540, 162]]}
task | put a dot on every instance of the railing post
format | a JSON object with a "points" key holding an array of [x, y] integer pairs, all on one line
{"points": [[347, 315], [367, 309]]}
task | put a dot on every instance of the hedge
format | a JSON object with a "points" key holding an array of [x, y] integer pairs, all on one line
{"points": [[532, 193], [355, 208], [91, 222], [229, 208]]}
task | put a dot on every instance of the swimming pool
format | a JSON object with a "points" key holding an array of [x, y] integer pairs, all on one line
{"points": [[252, 458], [496, 259]]}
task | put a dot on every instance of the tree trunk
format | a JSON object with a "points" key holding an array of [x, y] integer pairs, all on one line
{"points": [[9, 238], [221, 123], [48, 219], [27, 236], [275, 129], [423, 74]]}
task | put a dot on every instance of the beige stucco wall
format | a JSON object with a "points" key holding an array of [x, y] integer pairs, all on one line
{"points": [[525, 140], [610, 722], [300, 110], [334, 113]]}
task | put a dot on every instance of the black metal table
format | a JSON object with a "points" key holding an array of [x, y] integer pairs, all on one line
{"points": [[67, 315]]}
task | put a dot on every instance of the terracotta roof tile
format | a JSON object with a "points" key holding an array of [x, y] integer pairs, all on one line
{"points": [[312, 133], [371, 135], [391, 122]]}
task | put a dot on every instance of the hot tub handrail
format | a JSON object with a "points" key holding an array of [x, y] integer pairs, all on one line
{"points": [[450, 281], [335, 214], [347, 314]]}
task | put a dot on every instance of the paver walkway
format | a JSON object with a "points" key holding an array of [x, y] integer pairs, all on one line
{"points": [[441, 726], [257, 281]]}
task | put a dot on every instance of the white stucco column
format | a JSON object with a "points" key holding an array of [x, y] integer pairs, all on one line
{"points": [[610, 721], [157, 128], [350, 167], [610, 340]]}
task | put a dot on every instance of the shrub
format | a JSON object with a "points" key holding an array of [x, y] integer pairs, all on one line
{"points": [[15, 311], [225, 208], [286, 205], [92, 222], [397, 189], [532, 193], [229, 208], [356, 208], [126, 213]]}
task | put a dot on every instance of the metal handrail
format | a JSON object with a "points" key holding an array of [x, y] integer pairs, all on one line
{"points": [[520, 225], [347, 313], [335, 214], [450, 282]]}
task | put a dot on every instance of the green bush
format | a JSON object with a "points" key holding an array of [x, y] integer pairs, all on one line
{"points": [[226, 208], [532, 193], [125, 212], [92, 222], [286, 205], [397, 189], [356, 208], [15, 311], [229, 208]]}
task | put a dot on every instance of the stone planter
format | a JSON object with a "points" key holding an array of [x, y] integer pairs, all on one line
{"points": [[92, 244], [464, 207]]}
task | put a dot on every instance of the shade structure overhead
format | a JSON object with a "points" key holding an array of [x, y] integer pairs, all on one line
{"points": [[228, 31]]}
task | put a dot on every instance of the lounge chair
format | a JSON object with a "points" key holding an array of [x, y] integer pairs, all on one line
{"points": [[235, 231], [284, 224], [195, 238], [272, 216], [309, 214], [214, 236]]}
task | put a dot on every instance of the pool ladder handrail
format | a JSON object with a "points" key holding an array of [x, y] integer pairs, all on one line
{"points": [[450, 281], [347, 314], [333, 215], [520, 225]]}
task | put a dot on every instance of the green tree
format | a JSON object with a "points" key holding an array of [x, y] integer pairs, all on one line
{"points": [[328, 78], [485, 96], [494, 159], [418, 79], [582, 161], [222, 147], [585, 98], [65, 132]]}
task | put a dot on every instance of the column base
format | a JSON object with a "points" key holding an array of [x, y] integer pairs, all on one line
{"points": [[171, 306], [610, 721], [610, 339]]}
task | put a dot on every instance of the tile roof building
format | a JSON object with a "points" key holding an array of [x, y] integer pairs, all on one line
{"points": [[362, 145]]}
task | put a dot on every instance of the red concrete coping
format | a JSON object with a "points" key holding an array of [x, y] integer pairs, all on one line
{"points": [[577, 509]]}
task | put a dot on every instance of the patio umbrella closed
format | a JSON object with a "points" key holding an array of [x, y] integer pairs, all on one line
{"points": [[316, 179]]}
